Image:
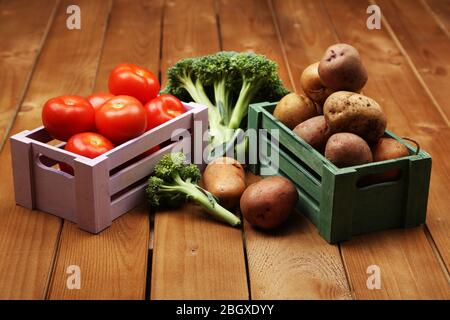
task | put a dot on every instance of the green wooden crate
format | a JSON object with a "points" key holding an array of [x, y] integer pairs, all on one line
{"points": [[329, 196]]}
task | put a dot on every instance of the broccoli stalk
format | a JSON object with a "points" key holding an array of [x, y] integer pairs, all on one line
{"points": [[175, 182]]}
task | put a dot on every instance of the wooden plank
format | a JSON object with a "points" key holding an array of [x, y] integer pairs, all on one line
{"points": [[424, 43], [29, 239], [441, 12], [114, 263], [405, 271], [22, 39], [411, 113], [194, 257], [298, 263]]}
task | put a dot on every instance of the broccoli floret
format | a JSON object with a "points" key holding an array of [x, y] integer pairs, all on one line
{"points": [[216, 70], [183, 77], [256, 72], [175, 182], [232, 81]]}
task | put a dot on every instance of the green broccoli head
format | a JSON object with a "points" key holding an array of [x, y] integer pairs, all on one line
{"points": [[175, 182], [169, 165], [184, 69], [254, 67], [227, 82], [170, 177], [152, 191], [216, 67]]}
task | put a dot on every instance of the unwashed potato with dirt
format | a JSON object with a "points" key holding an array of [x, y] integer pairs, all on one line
{"points": [[267, 204], [355, 113], [314, 131], [313, 86], [347, 149], [225, 178], [341, 68], [293, 109]]}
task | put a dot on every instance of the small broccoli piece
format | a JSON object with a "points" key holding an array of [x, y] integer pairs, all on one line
{"points": [[175, 182]]}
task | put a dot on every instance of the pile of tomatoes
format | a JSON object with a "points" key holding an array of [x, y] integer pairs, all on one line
{"points": [[96, 124]]}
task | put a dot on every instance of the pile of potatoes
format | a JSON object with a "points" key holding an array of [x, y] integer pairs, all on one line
{"points": [[334, 117]]}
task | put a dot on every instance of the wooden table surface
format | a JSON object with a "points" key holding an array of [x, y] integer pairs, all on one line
{"points": [[183, 254]]}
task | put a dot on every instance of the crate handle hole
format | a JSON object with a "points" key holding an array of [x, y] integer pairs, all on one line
{"points": [[52, 164], [373, 179]]}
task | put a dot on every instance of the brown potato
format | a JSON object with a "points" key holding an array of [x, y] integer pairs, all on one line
{"points": [[314, 131], [313, 86], [351, 112], [347, 149], [341, 68], [386, 149], [389, 148], [267, 204], [225, 178], [293, 109]]}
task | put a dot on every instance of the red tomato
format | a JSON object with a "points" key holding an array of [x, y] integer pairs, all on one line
{"points": [[162, 109], [99, 98], [65, 116], [132, 80], [87, 144], [121, 118]]}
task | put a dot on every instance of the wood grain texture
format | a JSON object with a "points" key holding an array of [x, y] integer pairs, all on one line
{"points": [[297, 263], [21, 43], [194, 256], [28, 239], [411, 113], [426, 45], [114, 263], [440, 9], [405, 271], [293, 262]]}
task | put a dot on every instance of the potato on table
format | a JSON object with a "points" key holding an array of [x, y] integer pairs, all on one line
{"points": [[267, 204], [225, 178]]}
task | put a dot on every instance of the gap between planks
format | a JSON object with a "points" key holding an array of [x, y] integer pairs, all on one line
{"points": [[29, 76], [59, 237], [435, 17], [244, 241], [392, 34], [394, 37]]}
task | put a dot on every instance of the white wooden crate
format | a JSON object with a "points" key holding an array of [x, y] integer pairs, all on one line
{"points": [[104, 188]]}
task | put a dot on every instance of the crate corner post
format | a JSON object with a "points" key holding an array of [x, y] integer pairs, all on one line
{"points": [[336, 210], [92, 198], [21, 159], [419, 171]]}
